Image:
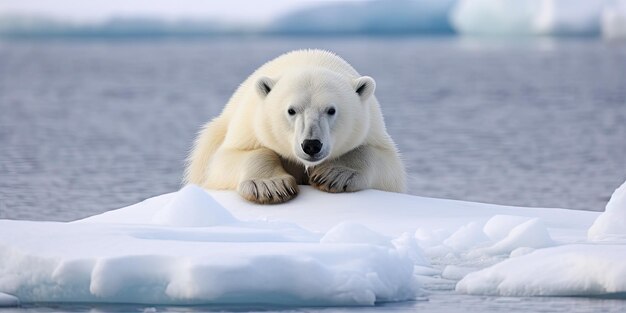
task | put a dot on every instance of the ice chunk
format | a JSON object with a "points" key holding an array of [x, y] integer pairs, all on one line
{"points": [[188, 249], [570, 270], [407, 245], [454, 272], [500, 226], [372, 249], [611, 225], [431, 237], [467, 237], [531, 234], [121, 263], [614, 21], [192, 207]]}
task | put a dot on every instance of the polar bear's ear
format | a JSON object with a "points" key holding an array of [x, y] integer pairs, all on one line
{"points": [[264, 85], [364, 87]]}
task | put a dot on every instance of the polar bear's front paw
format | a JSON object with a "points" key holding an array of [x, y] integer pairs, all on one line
{"points": [[269, 190], [336, 179]]}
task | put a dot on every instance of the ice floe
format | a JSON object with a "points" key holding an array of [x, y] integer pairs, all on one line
{"points": [[189, 249], [199, 247]]}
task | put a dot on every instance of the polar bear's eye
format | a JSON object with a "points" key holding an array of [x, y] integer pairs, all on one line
{"points": [[331, 111], [291, 111]]}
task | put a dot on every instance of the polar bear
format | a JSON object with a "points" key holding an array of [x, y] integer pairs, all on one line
{"points": [[306, 117]]}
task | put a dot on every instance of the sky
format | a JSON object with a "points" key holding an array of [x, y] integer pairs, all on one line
{"points": [[95, 10]]}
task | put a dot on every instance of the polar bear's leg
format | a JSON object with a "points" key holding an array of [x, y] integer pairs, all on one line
{"points": [[258, 175], [208, 141], [362, 168]]}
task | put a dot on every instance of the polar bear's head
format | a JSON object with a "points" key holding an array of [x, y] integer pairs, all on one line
{"points": [[314, 114]]}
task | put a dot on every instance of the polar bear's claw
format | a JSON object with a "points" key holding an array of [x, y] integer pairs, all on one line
{"points": [[269, 190], [335, 179]]}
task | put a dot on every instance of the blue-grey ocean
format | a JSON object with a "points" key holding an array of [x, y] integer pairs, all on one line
{"points": [[90, 125]]}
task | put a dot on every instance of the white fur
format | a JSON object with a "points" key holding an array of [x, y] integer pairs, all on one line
{"points": [[255, 145]]}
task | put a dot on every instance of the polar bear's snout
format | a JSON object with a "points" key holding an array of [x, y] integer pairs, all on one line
{"points": [[312, 147], [313, 142], [312, 151]]}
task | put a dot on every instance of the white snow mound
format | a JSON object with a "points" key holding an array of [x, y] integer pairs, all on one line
{"points": [[611, 225], [192, 207]]}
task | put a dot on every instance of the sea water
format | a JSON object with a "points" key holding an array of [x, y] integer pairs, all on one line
{"points": [[91, 125]]}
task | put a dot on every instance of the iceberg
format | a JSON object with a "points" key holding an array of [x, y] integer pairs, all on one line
{"points": [[494, 17], [528, 17], [569, 17], [373, 17], [614, 21], [198, 247]]}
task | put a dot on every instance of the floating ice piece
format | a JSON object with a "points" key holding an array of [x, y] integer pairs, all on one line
{"points": [[570, 270], [454, 272], [611, 225], [530, 234], [273, 254], [467, 237], [407, 245], [614, 21], [500, 235], [431, 237], [499, 226], [187, 249]]}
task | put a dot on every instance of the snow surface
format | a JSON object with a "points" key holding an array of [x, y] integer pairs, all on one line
{"points": [[198, 247]]}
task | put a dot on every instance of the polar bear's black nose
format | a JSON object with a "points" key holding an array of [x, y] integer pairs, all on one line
{"points": [[311, 147]]}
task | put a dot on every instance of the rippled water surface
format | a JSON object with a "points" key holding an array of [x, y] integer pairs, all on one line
{"points": [[91, 125], [438, 303]]}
